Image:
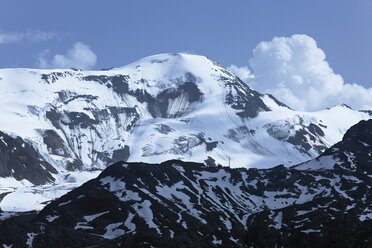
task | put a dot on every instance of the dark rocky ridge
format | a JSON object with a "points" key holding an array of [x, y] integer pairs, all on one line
{"points": [[305, 134], [247, 216], [355, 150], [246, 100], [157, 105], [183, 204], [352, 153]]}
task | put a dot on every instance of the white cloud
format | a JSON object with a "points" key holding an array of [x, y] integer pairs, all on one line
{"points": [[9, 38], [294, 69], [12, 37], [79, 56], [242, 72]]}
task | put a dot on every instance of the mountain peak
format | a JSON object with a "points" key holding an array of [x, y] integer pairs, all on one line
{"points": [[342, 105], [166, 106]]}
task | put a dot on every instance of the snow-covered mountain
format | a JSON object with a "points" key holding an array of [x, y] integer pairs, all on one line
{"points": [[177, 204], [168, 106], [161, 107]]}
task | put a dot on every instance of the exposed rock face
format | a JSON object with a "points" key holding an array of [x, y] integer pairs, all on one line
{"points": [[353, 153], [355, 150], [341, 216], [189, 204], [18, 159]]}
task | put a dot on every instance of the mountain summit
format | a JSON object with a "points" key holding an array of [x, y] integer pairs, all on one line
{"points": [[167, 106]]}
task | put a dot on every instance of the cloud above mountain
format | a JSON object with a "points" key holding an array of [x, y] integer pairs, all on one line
{"points": [[12, 37], [294, 69], [79, 56], [242, 72]]}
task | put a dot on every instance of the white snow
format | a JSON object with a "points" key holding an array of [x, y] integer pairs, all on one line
{"points": [[278, 220], [212, 116], [216, 241], [83, 225], [303, 212], [310, 231], [226, 222], [6, 215], [322, 163], [51, 218], [367, 216], [114, 184], [128, 223], [30, 239], [143, 210], [92, 217], [350, 158], [112, 231], [64, 203], [25, 98], [117, 186], [24, 196], [174, 192]]}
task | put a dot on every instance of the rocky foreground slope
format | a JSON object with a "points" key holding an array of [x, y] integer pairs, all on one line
{"points": [[325, 202]]}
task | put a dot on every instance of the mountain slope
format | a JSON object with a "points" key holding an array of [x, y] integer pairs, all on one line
{"points": [[168, 106], [352, 153], [340, 219], [174, 203], [20, 161]]}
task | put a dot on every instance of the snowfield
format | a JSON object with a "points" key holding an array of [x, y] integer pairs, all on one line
{"points": [[167, 106]]}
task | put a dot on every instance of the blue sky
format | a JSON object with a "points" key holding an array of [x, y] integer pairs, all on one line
{"points": [[119, 32]]}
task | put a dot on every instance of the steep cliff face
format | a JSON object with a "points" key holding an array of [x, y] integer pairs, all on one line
{"points": [[352, 153], [19, 160]]}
